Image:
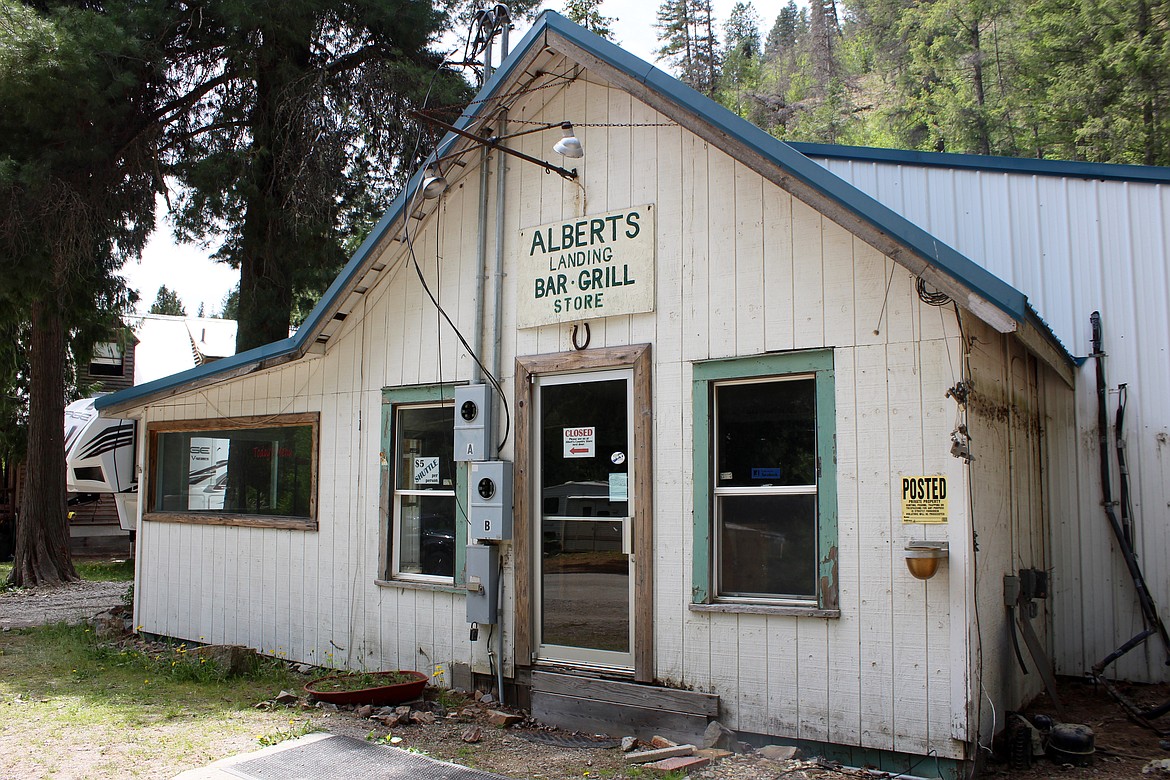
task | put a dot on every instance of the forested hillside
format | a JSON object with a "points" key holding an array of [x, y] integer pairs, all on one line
{"points": [[1069, 79]]}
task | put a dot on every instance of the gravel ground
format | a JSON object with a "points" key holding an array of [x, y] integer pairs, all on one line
{"points": [[74, 602], [1123, 748]]}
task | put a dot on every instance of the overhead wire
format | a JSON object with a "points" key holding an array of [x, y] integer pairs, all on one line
{"points": [[412, 200]]}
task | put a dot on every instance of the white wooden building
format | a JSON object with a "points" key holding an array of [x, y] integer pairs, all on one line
{"points": [[720, 380]]}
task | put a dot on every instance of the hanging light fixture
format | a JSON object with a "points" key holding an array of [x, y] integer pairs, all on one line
{"points": [[569, 145], [433, 185]]}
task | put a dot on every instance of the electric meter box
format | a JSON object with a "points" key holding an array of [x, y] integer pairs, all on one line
{"points": [[489, 509], [483, 583], [473, 422]]}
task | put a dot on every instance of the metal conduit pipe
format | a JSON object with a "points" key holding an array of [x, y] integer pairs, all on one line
{"points": [[497, 338], [481, 237]]}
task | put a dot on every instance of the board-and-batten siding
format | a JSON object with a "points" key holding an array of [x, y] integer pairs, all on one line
{"points": [[1075, 246], [743, 268]]}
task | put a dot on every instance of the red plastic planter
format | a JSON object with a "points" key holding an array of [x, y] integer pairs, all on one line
{"points": [[384, 694]]}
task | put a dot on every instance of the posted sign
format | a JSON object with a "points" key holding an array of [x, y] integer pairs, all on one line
{"points": [[595, 266], [924, 499]]}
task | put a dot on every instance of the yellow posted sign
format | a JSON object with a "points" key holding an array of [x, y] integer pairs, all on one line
{"points": [[924, 499]]}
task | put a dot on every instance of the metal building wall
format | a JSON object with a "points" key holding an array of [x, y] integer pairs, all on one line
{"points": [[1075, 245]]}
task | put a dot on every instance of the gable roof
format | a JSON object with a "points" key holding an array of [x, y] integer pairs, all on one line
{"points": [[988, 297]]}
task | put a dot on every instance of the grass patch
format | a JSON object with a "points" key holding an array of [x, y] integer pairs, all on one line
{"points": [[92, 570], [146, 710], [105, 571]]}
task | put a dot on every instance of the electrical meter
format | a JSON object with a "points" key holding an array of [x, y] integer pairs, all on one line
{"points": [[490, 508], [473, 422]]}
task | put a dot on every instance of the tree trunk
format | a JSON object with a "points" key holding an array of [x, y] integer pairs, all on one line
{"points": [[269, 233], [42, 531], [982, 133]]}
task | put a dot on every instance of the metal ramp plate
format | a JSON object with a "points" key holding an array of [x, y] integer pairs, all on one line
{"points": [[345, 758]]}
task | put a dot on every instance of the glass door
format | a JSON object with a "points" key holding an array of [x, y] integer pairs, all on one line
{"points": [[584, 478]]}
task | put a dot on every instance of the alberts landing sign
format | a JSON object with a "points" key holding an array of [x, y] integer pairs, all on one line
{"points": [[596, 266]]}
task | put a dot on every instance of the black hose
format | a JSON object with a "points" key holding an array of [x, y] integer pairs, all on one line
{"points": [[1149, 611], [1123, 499]]}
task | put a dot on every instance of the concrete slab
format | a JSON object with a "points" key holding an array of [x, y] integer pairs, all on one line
{"points": [[332, 757]]}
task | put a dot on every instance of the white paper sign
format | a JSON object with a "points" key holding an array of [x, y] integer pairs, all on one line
{"points": [[619, 487], [426, 471], [595, 266], [580, 442]]}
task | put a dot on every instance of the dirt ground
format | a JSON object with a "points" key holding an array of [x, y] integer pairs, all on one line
{"points": [[1123, 748]]}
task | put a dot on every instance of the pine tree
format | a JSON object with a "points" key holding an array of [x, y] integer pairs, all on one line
{"points": [[301, 136], [587, 13], [689, 43], [168, 302], [741, 56], [83, 89]]}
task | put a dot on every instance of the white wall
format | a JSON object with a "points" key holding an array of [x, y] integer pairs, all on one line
{"points": [[1075, 246]]}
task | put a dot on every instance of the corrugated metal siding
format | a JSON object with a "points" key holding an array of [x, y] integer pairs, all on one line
{"points": [[1075, 246]]}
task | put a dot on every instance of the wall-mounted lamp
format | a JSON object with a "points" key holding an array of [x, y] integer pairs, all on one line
{"points": [[569, 145], [923, 557], [434, 184]]}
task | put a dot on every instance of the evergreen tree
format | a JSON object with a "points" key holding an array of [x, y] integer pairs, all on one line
{"points": [[587, 13], [82, 90], [301, 135], [790, 23], [741, 56], [168, 302], [1098, 77], [689, 43]]}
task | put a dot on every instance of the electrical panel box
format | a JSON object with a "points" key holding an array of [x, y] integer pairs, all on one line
{"points": [[483, 583], [473, 422], [490, 506]]}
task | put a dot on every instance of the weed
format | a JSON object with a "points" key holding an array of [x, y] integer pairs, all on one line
{"points": [[385, 739], [293, 731], [450, 699]]}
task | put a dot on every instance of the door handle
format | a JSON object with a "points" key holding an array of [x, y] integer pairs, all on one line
{"points": [[627, 536]]}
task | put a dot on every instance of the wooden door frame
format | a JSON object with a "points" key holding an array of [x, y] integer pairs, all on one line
{"points": [[636, 357]]}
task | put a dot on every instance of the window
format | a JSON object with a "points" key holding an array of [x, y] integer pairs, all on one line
{"points": [[250, 471], [765, 486], [424, 525], [107, 360]]}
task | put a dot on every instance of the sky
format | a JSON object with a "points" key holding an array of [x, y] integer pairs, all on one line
{"points": [[187, 269]]}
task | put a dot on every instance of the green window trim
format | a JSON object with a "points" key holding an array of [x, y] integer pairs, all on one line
{"points": [[393, 397], [705, 374]]}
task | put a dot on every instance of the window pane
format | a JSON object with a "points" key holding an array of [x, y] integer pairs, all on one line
{"points": [[426, 448], [427, 535], [766, 433], [255, 471], [768, 545]]}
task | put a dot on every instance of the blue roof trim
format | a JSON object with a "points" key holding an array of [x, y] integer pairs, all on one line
{"points": [[951, 262], [1023, 165], [276, 349]]}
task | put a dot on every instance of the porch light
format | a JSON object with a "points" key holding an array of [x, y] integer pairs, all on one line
{"points": [[923, 557], [569, 145], [434, 185]]}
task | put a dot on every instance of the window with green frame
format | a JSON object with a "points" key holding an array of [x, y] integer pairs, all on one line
{"points": [[765, 518], [424, 527]]}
